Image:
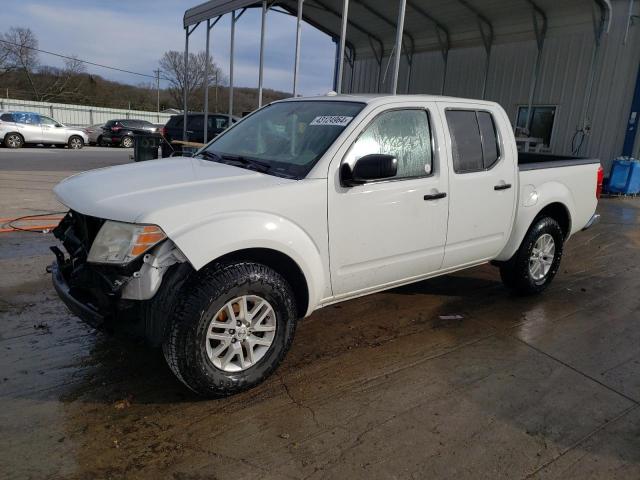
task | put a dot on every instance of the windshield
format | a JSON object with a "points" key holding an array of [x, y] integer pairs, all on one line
{"points": [[284, 139]]}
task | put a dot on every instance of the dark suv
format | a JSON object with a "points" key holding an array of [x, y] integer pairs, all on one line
{"points": [[218, 122], [121, 132]]}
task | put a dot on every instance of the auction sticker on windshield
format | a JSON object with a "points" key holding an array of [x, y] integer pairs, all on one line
{"points": [[332, 120]]}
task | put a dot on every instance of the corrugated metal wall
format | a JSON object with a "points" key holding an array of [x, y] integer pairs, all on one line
{"points": [[80, 115], [564, 75]]}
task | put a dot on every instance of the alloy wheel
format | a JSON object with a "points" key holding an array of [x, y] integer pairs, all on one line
{"points": [[542, 257], [240, 333]]}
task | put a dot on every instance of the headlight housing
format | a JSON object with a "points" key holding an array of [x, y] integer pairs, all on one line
{"points": [[120, 243]]}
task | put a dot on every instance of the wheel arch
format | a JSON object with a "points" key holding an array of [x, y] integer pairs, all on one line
{"points": [[281, 263], [556, 209], [259, 236], [14, 133], [560, 213]]}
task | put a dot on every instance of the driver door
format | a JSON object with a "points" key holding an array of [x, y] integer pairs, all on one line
{"points": [[393, 230]]}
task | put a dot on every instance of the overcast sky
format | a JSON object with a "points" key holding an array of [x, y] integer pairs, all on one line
{"points": [[133, 34]]}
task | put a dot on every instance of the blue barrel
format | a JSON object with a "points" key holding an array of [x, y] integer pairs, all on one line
{"points": [[633, 182], [620, 170]]}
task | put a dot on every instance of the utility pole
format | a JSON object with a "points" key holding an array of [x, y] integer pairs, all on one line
{"points": [[157, 72]]}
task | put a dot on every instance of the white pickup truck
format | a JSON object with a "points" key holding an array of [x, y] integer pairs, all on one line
{"points": [[305, 203]]}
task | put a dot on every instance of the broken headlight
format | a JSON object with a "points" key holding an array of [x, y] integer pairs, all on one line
{"points": [[120, 243]]}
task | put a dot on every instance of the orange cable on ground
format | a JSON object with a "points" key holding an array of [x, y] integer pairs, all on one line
{"points": [[6, 223]]}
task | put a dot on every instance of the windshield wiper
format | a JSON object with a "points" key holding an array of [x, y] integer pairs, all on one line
{"points": [[248, 162], [211, 156]]}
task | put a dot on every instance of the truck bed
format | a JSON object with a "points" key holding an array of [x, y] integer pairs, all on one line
{"points": [[536, 161]]}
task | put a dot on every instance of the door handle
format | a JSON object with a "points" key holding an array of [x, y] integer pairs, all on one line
{"points": [[435, 196], [505, 186]]}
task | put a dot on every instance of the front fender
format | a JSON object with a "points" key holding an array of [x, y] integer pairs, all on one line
{"points": [[531, 202], [226, 233]]}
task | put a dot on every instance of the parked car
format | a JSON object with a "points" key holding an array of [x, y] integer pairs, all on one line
{"points": [[303, 204], [218, 123], [94, 132], [121, 132], [20, 128]]}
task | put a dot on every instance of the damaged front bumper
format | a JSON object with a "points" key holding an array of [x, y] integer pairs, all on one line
{"points": [[113, 296], [85, 311]]}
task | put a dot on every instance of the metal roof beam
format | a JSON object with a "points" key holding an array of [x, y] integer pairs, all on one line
{"points": [[381, 17], [356, 26], [486, 32], [439, 26]]}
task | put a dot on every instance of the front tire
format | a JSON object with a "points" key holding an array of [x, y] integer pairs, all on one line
{"points": [[75, 143], [536, 262], [232, 326], [13, 140]]}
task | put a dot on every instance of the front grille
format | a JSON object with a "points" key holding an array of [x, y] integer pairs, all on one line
{"points": [[77, 233]]}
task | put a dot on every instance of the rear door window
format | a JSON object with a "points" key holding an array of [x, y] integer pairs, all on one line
{"points": [[6, 117], [474, 141], [196, 123], [221, 123], [490, 148], [26, 118], [175, 122]]}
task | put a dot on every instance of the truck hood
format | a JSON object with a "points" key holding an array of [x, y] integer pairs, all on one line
{"points": [[166, 192]]}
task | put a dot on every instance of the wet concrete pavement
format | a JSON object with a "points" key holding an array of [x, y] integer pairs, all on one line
{"points": [[379, 387]]}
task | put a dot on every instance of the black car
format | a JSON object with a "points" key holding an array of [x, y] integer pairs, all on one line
{"points": [[121, 132], [218, 122]]}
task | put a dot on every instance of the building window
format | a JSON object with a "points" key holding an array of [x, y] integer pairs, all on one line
{"points": [[541, 123]]}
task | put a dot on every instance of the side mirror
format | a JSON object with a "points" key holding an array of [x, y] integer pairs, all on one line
{"points": [[376, 166], [58, 125]]}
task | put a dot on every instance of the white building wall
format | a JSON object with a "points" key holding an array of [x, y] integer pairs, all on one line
{"points": [[563, 80]]}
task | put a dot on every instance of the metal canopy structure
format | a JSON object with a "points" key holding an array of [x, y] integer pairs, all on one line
{"points": [[392, 30]]}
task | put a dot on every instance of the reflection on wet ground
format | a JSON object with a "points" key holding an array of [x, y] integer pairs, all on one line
{"points": [[451, 377]]}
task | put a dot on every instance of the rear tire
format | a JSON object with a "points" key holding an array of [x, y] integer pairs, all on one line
{"points": [[13, 140], [536, 262], [232, 325]]}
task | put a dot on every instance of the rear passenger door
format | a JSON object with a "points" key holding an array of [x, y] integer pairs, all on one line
{"points": [[28, 125], [482, 184]]}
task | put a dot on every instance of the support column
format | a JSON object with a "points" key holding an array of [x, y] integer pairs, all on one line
{"points": [[398, 47], [231, 53], [296, 66], [540, 30], [206, 83], [206, 78], [265, 7], [185, 82], [185, 78], [343, 39]]}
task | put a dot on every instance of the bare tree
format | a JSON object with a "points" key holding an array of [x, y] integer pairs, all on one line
{"points": [[172, 64], [17, 51], [60, 82]]}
